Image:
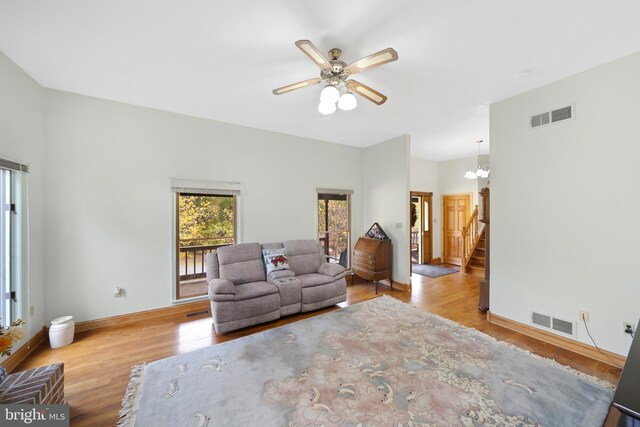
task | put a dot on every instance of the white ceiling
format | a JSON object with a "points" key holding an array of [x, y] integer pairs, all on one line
{"points": [[221, 59]]}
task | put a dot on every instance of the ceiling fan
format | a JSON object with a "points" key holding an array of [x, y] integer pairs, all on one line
{"points": [[336, 73]]}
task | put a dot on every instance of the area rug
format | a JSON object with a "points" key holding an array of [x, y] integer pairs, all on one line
{"points": [[432, 271], [377, 363]]}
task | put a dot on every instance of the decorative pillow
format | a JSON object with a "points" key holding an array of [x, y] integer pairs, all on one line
{"points": [[275, 259]]}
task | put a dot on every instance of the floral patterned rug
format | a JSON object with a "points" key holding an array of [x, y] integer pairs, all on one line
{"points": [[378, 363]]}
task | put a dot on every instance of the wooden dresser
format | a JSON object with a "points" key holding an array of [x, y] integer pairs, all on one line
{"points": [[372, 259]]}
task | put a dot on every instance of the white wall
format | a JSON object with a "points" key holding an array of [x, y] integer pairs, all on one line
{"points": [[386, 186], [451, 177], [565, 205], [424, 178], [109, 208], [22, 140]]}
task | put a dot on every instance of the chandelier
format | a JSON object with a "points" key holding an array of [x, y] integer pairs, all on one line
{"points": [[480, 171]]}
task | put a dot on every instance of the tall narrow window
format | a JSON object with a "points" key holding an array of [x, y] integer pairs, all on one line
{"points": [[5, 244], [205, 222], [334, 226], [12, 221]]}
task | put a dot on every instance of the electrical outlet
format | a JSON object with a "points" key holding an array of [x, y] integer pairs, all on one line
{"points": [[118, 292], [583, 315], [626, 326], [31, 311]]}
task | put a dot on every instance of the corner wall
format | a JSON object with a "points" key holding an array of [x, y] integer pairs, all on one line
{"points": [[386, 184], [22, 140], [565, 205]]}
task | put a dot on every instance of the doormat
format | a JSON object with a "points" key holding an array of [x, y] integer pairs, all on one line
{"points": [[432, 271]]}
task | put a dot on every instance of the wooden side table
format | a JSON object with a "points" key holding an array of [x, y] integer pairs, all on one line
{"points": [[44, 385]]}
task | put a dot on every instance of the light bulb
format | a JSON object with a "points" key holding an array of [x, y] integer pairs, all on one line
{"points": [[347, 101], [482, 173], [326, 108], [470, 175], [329, 94]]}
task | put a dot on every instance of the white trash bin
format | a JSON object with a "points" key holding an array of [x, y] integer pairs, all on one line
{"points": [[61, 331]]}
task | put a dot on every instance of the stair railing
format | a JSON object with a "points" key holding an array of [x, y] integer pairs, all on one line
{"points": [[470, 237]]}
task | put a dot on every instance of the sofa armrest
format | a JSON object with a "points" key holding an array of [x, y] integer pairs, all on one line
{"points": [[333, 270], [279, 274], [221, 290]]}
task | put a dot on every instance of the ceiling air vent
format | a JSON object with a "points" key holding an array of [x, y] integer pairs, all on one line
{"points": [[552, 116]]}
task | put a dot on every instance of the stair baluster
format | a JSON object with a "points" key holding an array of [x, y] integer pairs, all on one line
{"points": [[472, 249]]}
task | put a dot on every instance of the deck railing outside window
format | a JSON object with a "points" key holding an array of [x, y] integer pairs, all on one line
{"points": [[192, 258]]}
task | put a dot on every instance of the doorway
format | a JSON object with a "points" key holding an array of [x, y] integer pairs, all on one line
{"points": [[421, 224], [455, 213]]}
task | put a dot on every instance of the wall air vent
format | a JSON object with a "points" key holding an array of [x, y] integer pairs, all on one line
{"points": [[539, 120], [561, 114], [553, 116], [541, 320], [563, 326], [553, 323]]}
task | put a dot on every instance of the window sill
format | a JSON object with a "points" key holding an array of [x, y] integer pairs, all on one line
{"points": [[188, 300]]}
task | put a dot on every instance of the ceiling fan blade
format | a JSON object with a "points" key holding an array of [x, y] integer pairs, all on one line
{"points": [[374, 60], [314, 54], [298, 85], [366, 92]]}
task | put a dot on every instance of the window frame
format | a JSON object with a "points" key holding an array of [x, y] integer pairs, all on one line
{"points": [[176, 236], [347, 195], [16, 260]]}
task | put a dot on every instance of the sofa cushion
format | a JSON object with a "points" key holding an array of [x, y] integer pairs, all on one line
{"points": [[254, 290], [305, 256], [241, 263], [315, 279]]}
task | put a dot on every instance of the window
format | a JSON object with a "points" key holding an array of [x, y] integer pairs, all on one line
{"points": [[334, 226], [11, 239], [205, 223]]}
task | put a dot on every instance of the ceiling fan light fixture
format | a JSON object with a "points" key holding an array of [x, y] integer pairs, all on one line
{"points": [[340, 89], [483, 172], [330, 94], [326, 108], [347, 101], [470, 175]]}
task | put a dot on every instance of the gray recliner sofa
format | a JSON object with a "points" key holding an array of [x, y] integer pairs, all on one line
{"points": [[242, 294]]}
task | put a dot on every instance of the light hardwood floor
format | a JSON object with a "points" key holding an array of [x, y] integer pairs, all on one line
{"points": [[97, 364]]}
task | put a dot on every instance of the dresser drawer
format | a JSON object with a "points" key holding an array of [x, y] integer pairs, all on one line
{"points": [[364, 255], [363, 273], [367, 263]]}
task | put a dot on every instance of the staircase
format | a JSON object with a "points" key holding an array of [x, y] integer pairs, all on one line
{"points": [[476, 264], [473, 247]]}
